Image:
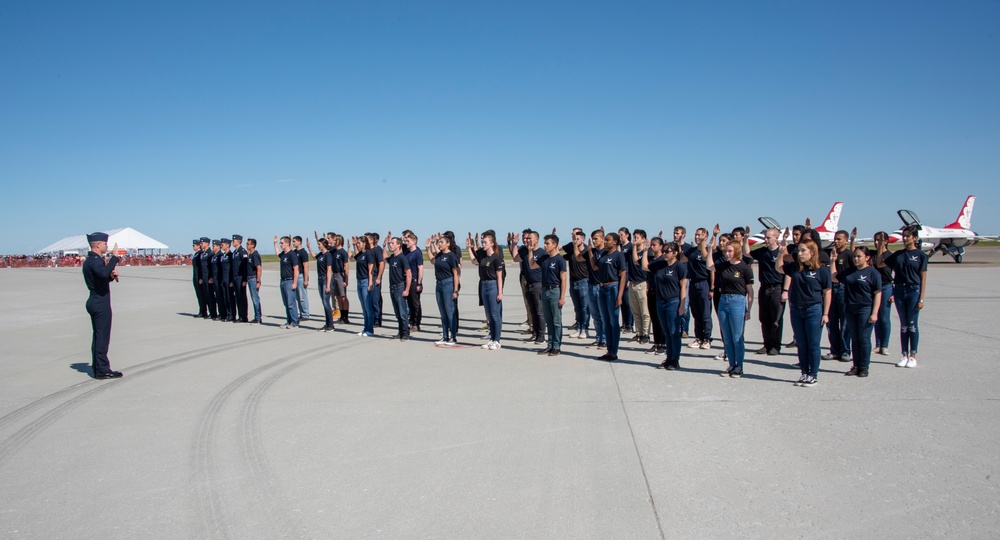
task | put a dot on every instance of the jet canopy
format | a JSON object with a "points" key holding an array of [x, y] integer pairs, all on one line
{"points": [[908, 217]]}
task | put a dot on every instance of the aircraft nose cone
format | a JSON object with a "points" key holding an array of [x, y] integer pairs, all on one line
{"points": [[893, 238]]}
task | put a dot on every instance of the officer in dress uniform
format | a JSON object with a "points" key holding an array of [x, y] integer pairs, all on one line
{"points": [[213, 280], [196, 248], [224, 280], [240, 269], [98, 275], [205, 304]]}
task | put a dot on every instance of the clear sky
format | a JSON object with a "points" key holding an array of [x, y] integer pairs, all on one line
{"points": [[184, 119]]}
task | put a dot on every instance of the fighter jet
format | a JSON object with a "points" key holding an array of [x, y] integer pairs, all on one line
{"points": [[826, 230], [951, 240]]}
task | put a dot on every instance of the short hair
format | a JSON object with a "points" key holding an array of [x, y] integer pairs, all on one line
{"points": [[579, 232], [614, 237], [672, 246], [740, 230], [552, 237], [911, 230], [681, 229], [798, 229], [374, 235], [842, 232], [252, 242], [702, 230], [527, 231], [286, 239], [639, 232], [656, 240], [397, 239], [297, 238], [329, 234], [597, 232]]}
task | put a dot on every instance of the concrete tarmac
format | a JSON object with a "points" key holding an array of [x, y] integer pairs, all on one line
{"points": [[221, 430]]}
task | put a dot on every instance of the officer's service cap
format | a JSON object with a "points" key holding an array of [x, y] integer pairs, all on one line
{"points": [[196, 241], [206, 239], [97, 237], [238, 237], [215, 242], [225, 240]]}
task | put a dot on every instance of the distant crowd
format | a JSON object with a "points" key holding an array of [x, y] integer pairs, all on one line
{"points": [[71, 261]]}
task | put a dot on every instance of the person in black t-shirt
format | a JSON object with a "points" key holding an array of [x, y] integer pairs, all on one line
{"points": [[255, 274], [324, 273], [579, 288], [400, 279], [364, 266], [530, 251], [883, 327], [669, 281], [770, 308], [909, 286], [555, 282], [837, 329], [734, 280], [289, 275], [862, 296], [491, 278], [446, 274], [807, 290]]}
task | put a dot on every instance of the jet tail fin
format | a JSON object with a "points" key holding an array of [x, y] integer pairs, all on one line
{"points": [[832, 219], [964, 220]]}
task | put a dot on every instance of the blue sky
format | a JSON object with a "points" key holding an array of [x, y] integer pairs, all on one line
{"points": [[185, 119]]}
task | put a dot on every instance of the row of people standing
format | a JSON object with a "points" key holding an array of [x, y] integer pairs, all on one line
{"points": [[223, 272]]}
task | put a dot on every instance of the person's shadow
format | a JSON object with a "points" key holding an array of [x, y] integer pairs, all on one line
{"points": [[82, 367]]}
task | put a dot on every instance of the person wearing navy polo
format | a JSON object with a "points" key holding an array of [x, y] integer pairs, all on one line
{"points": [[415, 258], [364, 265], [611, 270], [302, 285], [700, 300], [555, 283], [341, 267], [378, 260], [594, 250], [446, 265], [491, 278], [324, 275], [909, 266], [241, 271], [255, 271], [400, 278], [862, 298], [98, 274], [289, 267], [670, 282], [806, 288]]}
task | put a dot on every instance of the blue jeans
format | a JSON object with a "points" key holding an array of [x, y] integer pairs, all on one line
{"points": [[401, 307], [446, 305], [324, 298], [579, 291], [701, 310], [686, 318], [807, 330], [365, 297], [836, 326], [494, 309], [302, 295], [553, 317], [861, 333], [608, 297], [594, 303], [732, 318], [288, 298], [670, 322], [254, 297], [906, 297], [883, 327]]}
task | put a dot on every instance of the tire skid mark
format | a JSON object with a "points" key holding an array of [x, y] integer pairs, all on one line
{"points": [[264, 478], [15, 442]]}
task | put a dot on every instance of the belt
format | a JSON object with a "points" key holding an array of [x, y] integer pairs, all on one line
{"points": [[550, 287], [286, 279], [608, 284]]}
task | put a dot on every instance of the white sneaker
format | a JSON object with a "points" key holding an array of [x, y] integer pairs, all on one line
{"points": [[903, 361], [696, 344], [488, 345], [584, 334], [440, 342], [911, 362], [706, 344], [721, 356], [494, 345], [575, 335]]}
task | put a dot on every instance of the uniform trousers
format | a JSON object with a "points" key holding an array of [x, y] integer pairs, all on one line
{"points": [[99, 308]]}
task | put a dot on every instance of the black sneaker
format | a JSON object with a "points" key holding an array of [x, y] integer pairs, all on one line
{"points": [[726, 372], [555, 352], [810, 381], [853, 372], [762, 350], [652, 350], [862, 372], [546, 350], [773, 352], [736, 373]]}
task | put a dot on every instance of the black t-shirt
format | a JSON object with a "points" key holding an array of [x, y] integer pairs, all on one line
{"points": [[397, 265], [845, 265], [733, 278], [303, 259], [339, 261], [362, 262], [697, 269], [907, 265], [324, 260], [885, 273], [767, 274], [289, 261], [577, 269], [532, 276], [609, 266], [489, 266], [592, 278], [377, 257], [444, 263], [861, 285], [552, 268], [253, 263], [635, 272], [807, 285], [667, 278]]}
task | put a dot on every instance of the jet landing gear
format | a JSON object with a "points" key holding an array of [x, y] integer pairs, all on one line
{"points": [[954, 252]]}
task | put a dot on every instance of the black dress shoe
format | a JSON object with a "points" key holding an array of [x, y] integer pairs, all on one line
{"points": [[555, 352], [546, 350], [671, 367], [109, 375], [404, 337], [605, 356]]}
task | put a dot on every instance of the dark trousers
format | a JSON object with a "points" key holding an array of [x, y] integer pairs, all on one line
{"points": [[670, 327], [608, 297], [701, 310], [99, 308], [770, 311], [222, 299], [238, 300], [376, 301], [533, 294], [836, 327], [807, 328], [861, 334], [200, 294], [208, 294], [324, 299], [413, 301], [906, 297], [659, 339]]}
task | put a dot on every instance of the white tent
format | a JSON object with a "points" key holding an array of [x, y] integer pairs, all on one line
{"points": [[126, 238]]}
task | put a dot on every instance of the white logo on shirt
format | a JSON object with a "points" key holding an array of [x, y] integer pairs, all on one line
{"points": [[914, 258], [863, 278], [812, 275]]}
